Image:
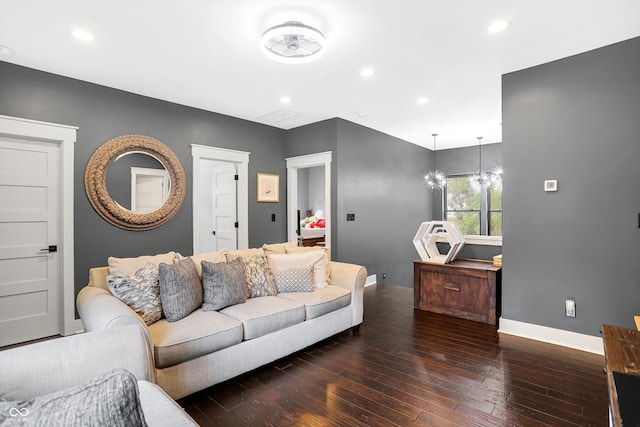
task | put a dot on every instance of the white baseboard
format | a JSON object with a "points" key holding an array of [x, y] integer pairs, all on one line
{"points": [[552, 336], [371, 280]]}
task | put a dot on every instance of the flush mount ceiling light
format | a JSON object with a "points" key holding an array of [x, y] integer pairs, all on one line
{"points": [[498, 26], [293, 43], [83, 35]]}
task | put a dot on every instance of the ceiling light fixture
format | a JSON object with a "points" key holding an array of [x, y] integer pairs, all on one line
{"points": [[435, 179], [82, 35], [498, 26], [367, 72], [285, 100], [481, 178], [422, 100], [293, 43]]}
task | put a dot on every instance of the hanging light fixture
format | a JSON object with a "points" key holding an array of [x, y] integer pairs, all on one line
{"points": [[435, 179], [481, 178], [293, 43]]}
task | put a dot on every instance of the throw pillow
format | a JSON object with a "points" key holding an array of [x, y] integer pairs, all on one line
{"points": [[315, 259], [223, 284], [217, 256], [141, 292], [180, 289], [294, 279], [277, 248], [110, 400], [327, 259], [127, 266], [244, 252], [260, 279]]}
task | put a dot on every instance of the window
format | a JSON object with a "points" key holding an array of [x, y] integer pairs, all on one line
{"points": [[477, 210]]}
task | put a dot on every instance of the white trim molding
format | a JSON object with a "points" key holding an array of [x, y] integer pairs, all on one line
{"points": [[65, 137], [549, 335], [241, 159]]}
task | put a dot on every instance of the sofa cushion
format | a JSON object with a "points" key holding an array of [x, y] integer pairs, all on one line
{"points": [[128, 266], [140, 291], [294, 279], [217, 256], [263, 315], [180, 289], [223, 284], [277, 248], [199, 333], [321, 301], [244, 252], [315, 259], [260, 280], [109, 400]]}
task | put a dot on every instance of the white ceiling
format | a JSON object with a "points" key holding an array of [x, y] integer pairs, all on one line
{"points": [[206, 54]]}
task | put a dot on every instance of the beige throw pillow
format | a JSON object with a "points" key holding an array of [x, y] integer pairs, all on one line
{"points": [[278, 248], [128, 266], [327, 257], [213, 257], [281, 262]]}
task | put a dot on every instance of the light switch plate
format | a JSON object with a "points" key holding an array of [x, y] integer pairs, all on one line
{"points": [[551, 185]]}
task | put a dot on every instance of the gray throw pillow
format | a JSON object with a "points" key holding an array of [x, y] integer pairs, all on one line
{"points": [[110, 400], [180, 289], [140, 291], [294, 279], [260, 279], [223, 284]]}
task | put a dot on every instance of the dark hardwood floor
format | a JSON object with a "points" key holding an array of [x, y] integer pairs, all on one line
{"points": [[414, 368]]}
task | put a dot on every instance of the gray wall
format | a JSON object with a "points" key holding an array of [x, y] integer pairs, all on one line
{"points": [[103, 113], [575, 120], [380, 180], [465, 160]]}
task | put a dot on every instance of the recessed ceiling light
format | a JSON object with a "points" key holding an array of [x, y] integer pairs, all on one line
{"points": [[367, 72], [285, 100], [422, 100], [6, 51], [361, 114], [497, 26], [82, 35]]}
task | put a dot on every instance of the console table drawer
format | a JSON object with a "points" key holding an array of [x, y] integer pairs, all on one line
{"points": [[463, 288]]}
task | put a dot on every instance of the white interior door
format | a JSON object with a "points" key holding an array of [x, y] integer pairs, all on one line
{"points": [[225, 193], [29, 226], [149, 189]]}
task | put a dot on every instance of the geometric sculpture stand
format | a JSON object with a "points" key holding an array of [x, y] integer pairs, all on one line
{"points": [[428, 235]]}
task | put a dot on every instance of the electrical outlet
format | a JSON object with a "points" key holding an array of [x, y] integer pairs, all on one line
{"points": [[384, 275], [570, 308], [351, 217]]}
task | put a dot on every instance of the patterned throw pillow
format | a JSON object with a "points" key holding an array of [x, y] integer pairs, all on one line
{"points": [[223, 284], [313, 259], [110, 400], [180, 289], [140, 291], [294, 280], [260, 279]]}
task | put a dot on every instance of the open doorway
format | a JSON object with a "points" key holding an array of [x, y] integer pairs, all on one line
{"points": [[306, 192]]}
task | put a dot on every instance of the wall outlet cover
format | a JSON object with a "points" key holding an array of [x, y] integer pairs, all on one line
{"points": [[551, 185]]}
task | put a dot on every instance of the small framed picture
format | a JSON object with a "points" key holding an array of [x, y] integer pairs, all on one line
{"points": [[268, 187]]}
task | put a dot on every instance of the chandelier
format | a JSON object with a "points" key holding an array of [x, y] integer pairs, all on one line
{"points": [[435, 179]]}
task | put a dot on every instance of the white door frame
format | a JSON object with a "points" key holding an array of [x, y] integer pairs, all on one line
{"points": [[65, 137], [303, 162], [241, 159]]}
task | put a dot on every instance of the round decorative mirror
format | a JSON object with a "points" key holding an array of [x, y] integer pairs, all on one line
{"points": [[135, 182]]}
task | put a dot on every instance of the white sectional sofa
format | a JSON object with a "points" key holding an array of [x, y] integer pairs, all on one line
{"points": [[208, 347], [64, 365]]}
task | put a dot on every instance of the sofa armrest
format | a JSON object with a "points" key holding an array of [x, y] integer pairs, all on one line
{"points": [[100, 310], [351, 277], [44, 367]]}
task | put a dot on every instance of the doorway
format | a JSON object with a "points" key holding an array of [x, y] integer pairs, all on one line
{"points": [[37, 296], [220, 199], [297, 169]]}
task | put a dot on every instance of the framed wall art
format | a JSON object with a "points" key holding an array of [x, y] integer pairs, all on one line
{"points": [[268, 187]]}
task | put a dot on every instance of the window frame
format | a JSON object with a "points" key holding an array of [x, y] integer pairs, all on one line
{"points": [[484, 238]]}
